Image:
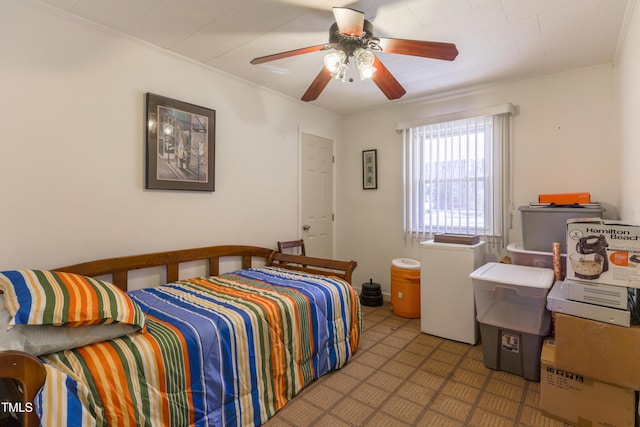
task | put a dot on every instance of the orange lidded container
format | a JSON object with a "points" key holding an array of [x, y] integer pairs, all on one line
{"points": [[565, 198], [405, 288]]}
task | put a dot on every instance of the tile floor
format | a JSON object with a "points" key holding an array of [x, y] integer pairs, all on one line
{"points": [[402, 377]]}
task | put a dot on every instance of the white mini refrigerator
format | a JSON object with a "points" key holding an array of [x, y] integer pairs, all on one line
{"points": [[447, 305]]}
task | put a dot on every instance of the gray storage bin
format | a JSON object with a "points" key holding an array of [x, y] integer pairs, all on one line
{"points": [[512, 351], [511, 310], [542, 226]]}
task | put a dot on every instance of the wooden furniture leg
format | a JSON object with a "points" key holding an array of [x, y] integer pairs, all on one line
{"points": [[29, 374]]}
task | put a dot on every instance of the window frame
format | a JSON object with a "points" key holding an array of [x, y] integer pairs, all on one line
{"points": [[497, 192]]}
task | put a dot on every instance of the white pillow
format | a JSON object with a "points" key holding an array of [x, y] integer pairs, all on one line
{"points": [[44, 339]]}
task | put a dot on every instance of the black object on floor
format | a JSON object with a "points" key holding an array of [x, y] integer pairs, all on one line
{"points": [[371, 294]]}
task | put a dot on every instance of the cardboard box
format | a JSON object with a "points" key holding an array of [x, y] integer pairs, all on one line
{"points": [[605, 352], [580, 400], [603, 251]]}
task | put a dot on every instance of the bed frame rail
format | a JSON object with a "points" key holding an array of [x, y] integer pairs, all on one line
{"points": [[170, 260], [321, 266]]}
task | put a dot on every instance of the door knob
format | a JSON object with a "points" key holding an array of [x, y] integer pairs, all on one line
{"points": [[306, 227]]}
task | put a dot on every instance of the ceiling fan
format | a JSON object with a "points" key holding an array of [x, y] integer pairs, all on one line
{"points": [[351, 38]]}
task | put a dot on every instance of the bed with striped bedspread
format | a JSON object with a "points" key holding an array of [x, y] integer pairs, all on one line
{"points": [[218, 351]]}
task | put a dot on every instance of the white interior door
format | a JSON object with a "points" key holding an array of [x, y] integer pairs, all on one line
{"points": [[316, 198]]}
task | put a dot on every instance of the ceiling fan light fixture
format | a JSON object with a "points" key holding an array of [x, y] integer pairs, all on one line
{"points": [[341, 74], [367, 73], [334, 61], [364, 60]]}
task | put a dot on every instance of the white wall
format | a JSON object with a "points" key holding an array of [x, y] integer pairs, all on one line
{"points": [[628, 98], [72, 142], [72, 179], [564, 141]]}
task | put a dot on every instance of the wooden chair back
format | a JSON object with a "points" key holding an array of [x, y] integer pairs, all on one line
{"points": [[294, 245]]}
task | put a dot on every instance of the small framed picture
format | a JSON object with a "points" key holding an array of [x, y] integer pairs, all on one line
{"points": [[370, 169], [180, 145]]}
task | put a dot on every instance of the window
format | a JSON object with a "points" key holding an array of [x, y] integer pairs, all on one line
{"points": [[456, 174]]}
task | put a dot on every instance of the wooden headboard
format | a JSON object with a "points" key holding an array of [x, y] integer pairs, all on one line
{"points": [[119, 267]]}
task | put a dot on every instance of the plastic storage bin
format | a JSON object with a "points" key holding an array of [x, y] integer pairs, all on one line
{"points": [[511, 310], [405, 287], [543, 226], [520, 256], [512, 351]]}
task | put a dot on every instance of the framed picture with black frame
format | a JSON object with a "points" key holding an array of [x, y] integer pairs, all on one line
{"points": [[180, 145], [370, 169]]}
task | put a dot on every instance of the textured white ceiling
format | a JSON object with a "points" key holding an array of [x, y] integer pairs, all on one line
{"points": [[497, 39]]}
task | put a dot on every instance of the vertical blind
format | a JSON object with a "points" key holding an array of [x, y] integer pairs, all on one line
{"points": [[456, 176]]}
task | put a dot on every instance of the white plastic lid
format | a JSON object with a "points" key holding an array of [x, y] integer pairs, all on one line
{"points": [[406, 263], [517, 275]]}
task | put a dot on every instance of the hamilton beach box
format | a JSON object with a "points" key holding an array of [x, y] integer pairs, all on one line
{"points": [[603, 251]]}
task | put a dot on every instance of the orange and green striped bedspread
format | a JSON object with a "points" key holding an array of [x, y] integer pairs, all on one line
{"points": [[224, 350]]}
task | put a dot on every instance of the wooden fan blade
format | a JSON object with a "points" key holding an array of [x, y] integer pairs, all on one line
{"points": [[386, 82], [290, 53], [435, 50], [317, 86], [350, 21]]}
